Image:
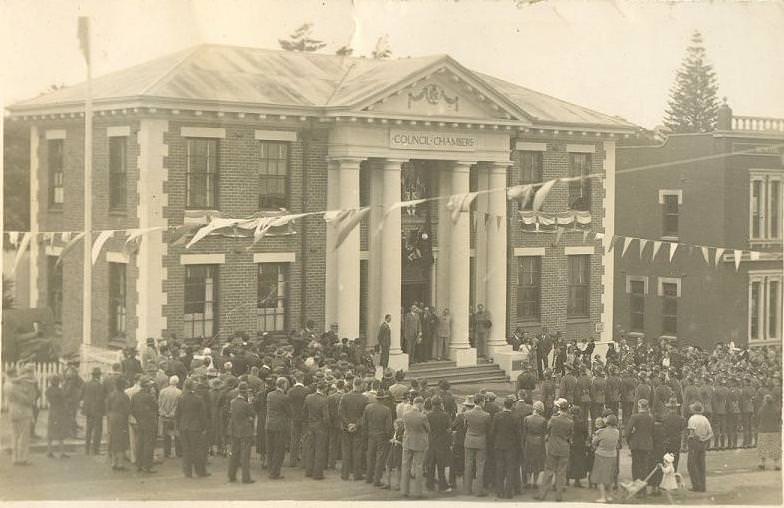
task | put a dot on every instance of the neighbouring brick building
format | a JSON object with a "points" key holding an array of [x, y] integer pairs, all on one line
{"points": [[720, 189], [229, 131]]}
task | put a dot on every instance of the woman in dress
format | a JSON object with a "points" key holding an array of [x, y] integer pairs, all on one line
{"points": [[578, 458], [605, 444], [118, 409], [533, 436], [769, 437], [58, 421]]}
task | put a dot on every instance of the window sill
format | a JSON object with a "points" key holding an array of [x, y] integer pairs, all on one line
{"points": [[118, 213], [55, 209], [668, 337], [669, 238], [578, 320]]}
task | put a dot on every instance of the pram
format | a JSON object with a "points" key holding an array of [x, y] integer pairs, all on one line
{"points": [[634, 487]]}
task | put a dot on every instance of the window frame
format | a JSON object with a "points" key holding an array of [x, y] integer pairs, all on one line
{"points": [[278, 313], [54, 273], [53, 172], [118, 177], [630, 281], [536, 159], [664, 196], [211, 175], [263, 172], [200, 320], [584, 185], [765, 310], [763, 216], [118, 301], [524, 289], [585, 270], [676, 282]]}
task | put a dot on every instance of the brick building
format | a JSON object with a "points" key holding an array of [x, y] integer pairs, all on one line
{"points": [[232, 131], [713, 199]]}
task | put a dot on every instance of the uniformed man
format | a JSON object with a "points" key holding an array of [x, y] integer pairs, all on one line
{"points": [[628, 385], [584, 390], [733, 412], [521, 409], [661, 395], [548, 391], [568, 389], [315, 443], [643, 390], [598, 394], [719, 423], [612, 390], [350, 411], [144, 408], [706, 397], [747, 410], [377, 424], [241, 431]]}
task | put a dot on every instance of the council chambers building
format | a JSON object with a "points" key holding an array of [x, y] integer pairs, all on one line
{"points": [[220, 131]]}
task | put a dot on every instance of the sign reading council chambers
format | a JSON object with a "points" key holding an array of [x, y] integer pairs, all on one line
{"points": [[417, 140]]}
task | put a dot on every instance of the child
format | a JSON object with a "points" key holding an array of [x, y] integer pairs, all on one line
{"points": [[669, 481]]}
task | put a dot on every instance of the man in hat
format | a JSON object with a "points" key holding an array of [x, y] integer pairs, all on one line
{"points": [[192, 422], [278, 430], [674, 426], [719, 421], [438, 452], [241, 430], [377, 424], [505, 436], [350, 411], [130, 365], [639, 435], [475, 445], [559, 435], [385, 340], [747, 410], [150, 358], [335, 432], [144, 409], [733, 412], [447, 399], [297, 394], [700, 434], [415, 442], [314, 446], [94, 407]]}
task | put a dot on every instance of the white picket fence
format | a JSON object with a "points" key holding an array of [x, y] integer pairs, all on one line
{"points": [[43, 372]]}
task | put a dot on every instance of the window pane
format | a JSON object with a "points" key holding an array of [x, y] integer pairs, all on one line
{"points": [[201, 296], [579, 274], [117, 172], [272, 175], [754, 316], [774, 209], [774, 308], [117, 300], [670, 308], [580, 190], [202, 173], [271, 295], [56, 168], [756, 208], [529, 274]]}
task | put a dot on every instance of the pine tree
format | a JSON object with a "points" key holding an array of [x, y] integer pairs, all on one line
{"points": [[301, 40], [693, 104]]}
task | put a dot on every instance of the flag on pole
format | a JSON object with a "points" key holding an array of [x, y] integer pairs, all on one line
{"points": [[719, 253], [84, 37], [626, 242], [459, 203], [705, 255], [656, 246], [542, 193], [349, 223], [737, 254], [22, 248], [68, 246], [98, 244], [673, 248]]}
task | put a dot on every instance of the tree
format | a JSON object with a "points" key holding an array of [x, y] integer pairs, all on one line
{"points": [[383, 50], [693, 104], [301, 40], [344, 51]]}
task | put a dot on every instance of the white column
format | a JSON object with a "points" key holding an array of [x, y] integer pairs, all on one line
{"points": [[608, 258], [480, 243], [374, 263], [391, 269], [34, 214], [443, 236], [331, 282], [460, 349], [348, 253]]}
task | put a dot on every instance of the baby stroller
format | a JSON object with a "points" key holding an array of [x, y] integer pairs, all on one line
{"points": [[632, 488]]}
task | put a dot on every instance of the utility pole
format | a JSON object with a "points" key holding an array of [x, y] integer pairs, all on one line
{"points": [[87, 283]]}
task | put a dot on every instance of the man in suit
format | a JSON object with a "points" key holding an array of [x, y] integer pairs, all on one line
{"points": [[557, 443], [543, 347], [569, 388], [296, 396], [505, 432], [241, 430], [377, 424], [94, 407], [628, 385], [191, 419], [278, 432], [144, 408], [520, 410], [384, 340], [475, 445], [598, 393], [415, 442], [314, 446], [439, 452], [412, 333], [335, 432], [350, 411], [639, 435], [612, 390]]}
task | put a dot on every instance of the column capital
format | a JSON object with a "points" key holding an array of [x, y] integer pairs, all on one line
{"points": [[461, 166], [346, 162], [393, 164]]}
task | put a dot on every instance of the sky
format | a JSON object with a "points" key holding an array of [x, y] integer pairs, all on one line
{"points": [[618, 57]]}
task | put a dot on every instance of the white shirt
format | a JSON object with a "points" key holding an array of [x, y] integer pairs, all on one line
{"points": [[700, 427]]}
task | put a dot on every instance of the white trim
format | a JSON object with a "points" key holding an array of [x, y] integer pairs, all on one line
{"points": [[203, 132], [365, 255], [580, 250], [268, 135], [55, 134], [668, 280], [118, 131], [764, 278], [54, 250], [581, 148], [670, 192], [528, 251], [274, 257], [202, 259], [527, 146], [117, 257], [637, 278]]}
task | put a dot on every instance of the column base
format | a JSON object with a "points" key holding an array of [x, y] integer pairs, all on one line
{"points": [[510, 361], [398, 362], [464, 357]]}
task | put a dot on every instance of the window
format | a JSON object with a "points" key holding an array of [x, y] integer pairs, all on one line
{"points": [[765, 295], [671, 203], [529, 288], [273, 175], [56, 172], [117, 301], [54, 287], [765, 206], [579, 284], [415, 184], [637, 305], [117, 172], [201, 301], [531, 164], [202, 173], [271, 297], [580, 190], [669, 291]]}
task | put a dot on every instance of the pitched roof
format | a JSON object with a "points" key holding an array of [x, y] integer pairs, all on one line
{"points": [[253, 76]]}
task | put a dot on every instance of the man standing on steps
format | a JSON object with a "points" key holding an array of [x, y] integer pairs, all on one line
{"points": [[384, 340], [483, 324], [441, 348], [412, 333]]}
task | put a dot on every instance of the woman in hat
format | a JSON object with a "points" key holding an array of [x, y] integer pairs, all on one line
{"points": [[605, 444], [578, 450], [769, 436], [118, 409], [533, 437], [57, 428]]}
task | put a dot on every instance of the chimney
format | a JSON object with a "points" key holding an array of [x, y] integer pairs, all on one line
{"points": [[724, 120]]}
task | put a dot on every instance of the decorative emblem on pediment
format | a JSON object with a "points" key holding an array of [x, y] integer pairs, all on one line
{"points": [[433, 94]]}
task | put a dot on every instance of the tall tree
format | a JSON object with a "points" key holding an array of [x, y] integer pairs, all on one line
{"points": [[693, 104], [301, 40]]}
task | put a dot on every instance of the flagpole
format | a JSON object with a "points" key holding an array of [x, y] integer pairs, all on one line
{"points": [[87, 289]]}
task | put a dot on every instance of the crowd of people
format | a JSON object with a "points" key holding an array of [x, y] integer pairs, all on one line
{"points": [[316, 400]]}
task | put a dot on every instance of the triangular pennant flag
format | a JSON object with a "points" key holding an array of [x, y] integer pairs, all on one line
{"points": [[68, 246], [98, 245], [656, 246], [599, 236], [517, 192], [737, 253], [487, 219], [673, 247], [65, 236], [215, 224], [705, 254], [558, 233], [22, 248], [349, 224], [585, 235], [626, 242], [643, 243], [612, 243], [542, 193], [459, 203], [475, 221], [133, 234], [719, 253], [13, 238], [498, 220]]}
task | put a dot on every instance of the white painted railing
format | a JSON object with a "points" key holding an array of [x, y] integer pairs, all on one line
{"points": [[43, 372], [757, 123]]}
